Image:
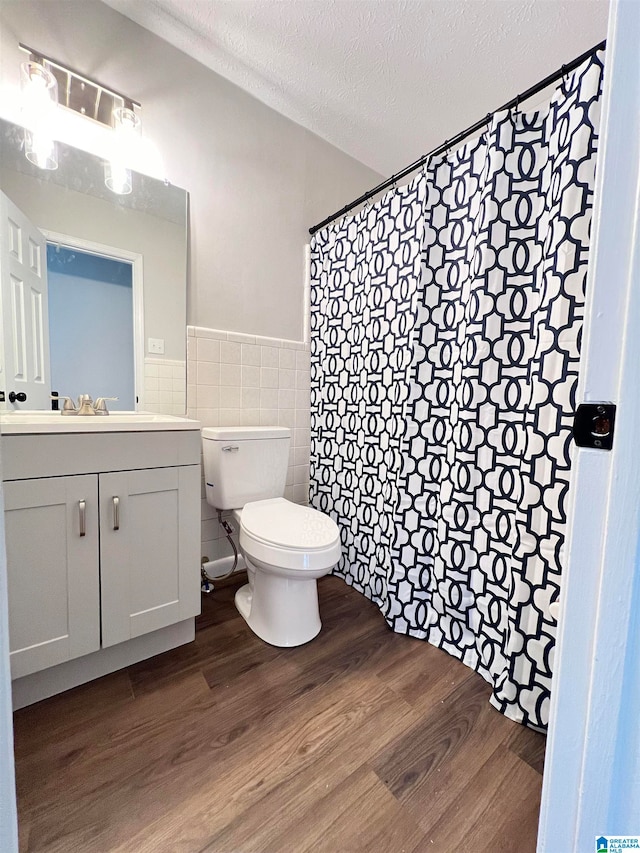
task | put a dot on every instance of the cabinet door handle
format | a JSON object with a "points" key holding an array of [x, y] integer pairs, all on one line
{"points": [[82, 508], [116, 513]]}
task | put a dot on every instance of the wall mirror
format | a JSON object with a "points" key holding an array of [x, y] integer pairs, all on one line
{"points": [[92, 284]]}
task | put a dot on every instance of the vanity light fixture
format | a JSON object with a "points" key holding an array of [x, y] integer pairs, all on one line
{"points": [[43, 78], [40, 98]]}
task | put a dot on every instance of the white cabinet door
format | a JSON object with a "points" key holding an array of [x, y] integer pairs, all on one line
{"points": [[52, 560], [24, 362], [149, 550]]}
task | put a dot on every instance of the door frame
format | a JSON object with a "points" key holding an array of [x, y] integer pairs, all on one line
{"points": [[137, 282], [591, 783], [8, 807]]}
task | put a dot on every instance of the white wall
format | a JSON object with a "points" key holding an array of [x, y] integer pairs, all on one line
{"points": [[257, 180]]}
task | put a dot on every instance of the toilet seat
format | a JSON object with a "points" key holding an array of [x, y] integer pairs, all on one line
{"points": [[285, 535]]}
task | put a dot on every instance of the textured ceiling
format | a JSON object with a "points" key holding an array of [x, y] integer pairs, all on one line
{"points": [[384, 80]]}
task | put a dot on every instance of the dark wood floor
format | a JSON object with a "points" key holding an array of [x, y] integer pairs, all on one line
{"points": [[362, 740]]}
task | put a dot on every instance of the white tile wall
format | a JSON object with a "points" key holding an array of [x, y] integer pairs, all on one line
{"points": [[164, 390], [243, 380]]}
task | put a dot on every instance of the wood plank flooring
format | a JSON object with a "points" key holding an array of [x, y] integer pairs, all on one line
{"points": [[362, 740]]}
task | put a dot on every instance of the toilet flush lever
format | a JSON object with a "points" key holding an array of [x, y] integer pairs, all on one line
{"points": [[231, 448]]}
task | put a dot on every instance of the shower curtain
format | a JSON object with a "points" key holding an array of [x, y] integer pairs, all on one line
{"points": [[446, 323]]}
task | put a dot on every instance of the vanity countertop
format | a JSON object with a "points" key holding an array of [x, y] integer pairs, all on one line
{"points": [[27, 423]]}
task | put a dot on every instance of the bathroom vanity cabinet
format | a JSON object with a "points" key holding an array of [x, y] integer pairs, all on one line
{"points": [[102, 534]]}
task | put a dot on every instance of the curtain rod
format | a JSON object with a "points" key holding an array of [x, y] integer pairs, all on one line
{"points": [[449, 143]]}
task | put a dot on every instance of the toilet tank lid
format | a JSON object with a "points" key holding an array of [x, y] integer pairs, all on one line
{"points": [[248, 433]]}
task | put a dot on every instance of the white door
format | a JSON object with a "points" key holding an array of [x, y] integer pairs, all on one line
{"points": [[24, 355], [149, 550], [591, 788], [52, 568]]}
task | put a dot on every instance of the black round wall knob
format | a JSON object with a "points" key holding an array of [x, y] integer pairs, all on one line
{"points": [[20, 397]]}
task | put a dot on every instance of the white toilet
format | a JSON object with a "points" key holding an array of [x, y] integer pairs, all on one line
{"points": [[287, 547]]}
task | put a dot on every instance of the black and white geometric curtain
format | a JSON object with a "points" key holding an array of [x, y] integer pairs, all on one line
{"points": [[446, 325], [365, 280]]}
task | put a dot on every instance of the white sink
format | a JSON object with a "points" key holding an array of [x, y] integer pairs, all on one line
{"points": [[15, 423]]}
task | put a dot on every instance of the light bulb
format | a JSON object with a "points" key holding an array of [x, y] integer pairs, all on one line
{"points": [[40, 97], [126, 127], [118, 178]]}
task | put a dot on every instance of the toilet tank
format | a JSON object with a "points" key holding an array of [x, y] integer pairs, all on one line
{"points": [[243, 464]]}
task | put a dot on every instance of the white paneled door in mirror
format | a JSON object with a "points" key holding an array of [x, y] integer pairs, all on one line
{"points": [[24, 352]]}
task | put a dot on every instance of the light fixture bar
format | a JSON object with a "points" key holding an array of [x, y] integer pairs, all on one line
{"points": [[79, 92]]}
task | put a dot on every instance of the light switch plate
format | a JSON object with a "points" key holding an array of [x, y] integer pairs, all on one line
{"points": [[156, 346]]}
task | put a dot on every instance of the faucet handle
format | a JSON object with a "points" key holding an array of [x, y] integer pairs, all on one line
{"points": [[100, 405], [68, 406]]}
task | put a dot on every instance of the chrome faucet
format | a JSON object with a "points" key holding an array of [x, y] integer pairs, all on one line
{"points": [[86, 406]]}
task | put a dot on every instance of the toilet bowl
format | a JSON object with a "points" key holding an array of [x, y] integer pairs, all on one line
{"points": [[286, 546]]}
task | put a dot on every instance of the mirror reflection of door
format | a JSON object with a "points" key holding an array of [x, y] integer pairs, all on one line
{"points": [[24, 348], [72, 207], [90, 325]]}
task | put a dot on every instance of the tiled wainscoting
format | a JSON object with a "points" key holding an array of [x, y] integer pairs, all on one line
{"points": [[163, 386], [244, 380]]}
